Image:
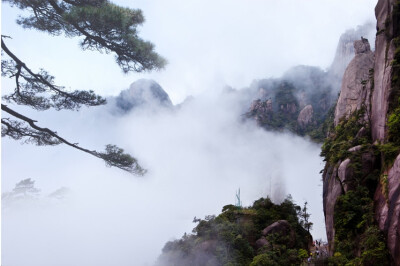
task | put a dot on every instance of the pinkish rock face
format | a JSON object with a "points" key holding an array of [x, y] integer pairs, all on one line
{"points": [[384, 54], [345, 49], [362, 46], [392, 224], [332, 189], [352, 96], [356, 88], [344, 174], [305, 116], [387, 209]]}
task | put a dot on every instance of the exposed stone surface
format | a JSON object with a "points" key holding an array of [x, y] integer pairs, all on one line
{"points": [[262, 242], [261, 110], [305, 116], [354, 94], [281, 227], [355, 148], [361, 133], [384, 54], [332, 189], [345, 174], [345, 49], [387, 210], [355, 89], [392, 224]]}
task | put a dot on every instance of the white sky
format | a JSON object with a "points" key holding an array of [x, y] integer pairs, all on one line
{"points": [[208, 43]]}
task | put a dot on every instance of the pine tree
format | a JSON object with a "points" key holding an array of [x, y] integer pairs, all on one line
{"points": [[304, 218], [105, 27]]}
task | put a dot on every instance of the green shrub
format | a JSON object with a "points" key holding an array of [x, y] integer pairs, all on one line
{"points": [[231, 237], [263, 260]]}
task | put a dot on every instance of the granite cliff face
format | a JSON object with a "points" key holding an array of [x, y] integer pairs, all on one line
{"points": [[356, 87], [362, 150], [301, 100], [384, 56], [345, 48]]}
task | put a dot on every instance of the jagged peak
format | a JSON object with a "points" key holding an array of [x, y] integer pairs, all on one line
{"points": [[362, 46]]}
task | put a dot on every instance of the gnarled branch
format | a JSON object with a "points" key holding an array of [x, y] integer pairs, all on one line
{"points": [[113, 156]]}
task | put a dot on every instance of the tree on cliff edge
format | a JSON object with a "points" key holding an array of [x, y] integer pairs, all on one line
{"points": [[103, 26]]}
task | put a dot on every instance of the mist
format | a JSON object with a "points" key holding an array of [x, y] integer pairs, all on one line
{"points": [[197, 156]]}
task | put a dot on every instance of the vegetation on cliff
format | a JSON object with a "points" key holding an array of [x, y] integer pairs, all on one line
{"points": [[243, 236], [281, 101], [358, 241], [393, 144]]}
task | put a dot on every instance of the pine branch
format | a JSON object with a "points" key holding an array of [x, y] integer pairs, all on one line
{"points": [[38, 83], [113, 156], [105, 27]]}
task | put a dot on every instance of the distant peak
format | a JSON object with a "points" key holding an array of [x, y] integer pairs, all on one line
{"points": [[143, 93]]}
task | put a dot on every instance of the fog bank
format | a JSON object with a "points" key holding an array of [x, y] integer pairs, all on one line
{"points": [[197, 157]]}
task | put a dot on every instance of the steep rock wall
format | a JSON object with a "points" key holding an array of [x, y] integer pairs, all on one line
{"points": [[332, 189], [384, 54], [377, 97], [354, 92], [345, 49], [387, 212]]}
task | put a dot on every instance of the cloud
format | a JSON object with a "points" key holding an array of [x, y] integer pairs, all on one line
{"points": [[197, 157]]}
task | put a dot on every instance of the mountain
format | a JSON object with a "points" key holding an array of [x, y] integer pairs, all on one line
{"points": [[302, 100], [143, 93], [361, 178], [299, 102]]}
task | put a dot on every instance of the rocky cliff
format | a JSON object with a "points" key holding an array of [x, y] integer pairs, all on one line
{"points": [[301, 100], [361, 179], [345, 48], [356, 87]]}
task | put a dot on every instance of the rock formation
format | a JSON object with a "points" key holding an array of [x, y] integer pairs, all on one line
{"points": [[332, 189], [281, 227], [356, 89], [306, 116], [287, 97], [345, 49], [384, 54], [372, 89]]}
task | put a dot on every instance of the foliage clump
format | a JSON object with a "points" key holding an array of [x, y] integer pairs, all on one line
{"points": [[344, 136], [230, 238], [357, 239]]}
